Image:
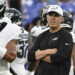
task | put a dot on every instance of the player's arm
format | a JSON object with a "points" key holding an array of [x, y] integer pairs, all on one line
{"points": [[39, 54], [11, 51]]}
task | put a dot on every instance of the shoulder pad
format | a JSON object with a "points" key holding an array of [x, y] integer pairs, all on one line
{"points": [[5, 19]]}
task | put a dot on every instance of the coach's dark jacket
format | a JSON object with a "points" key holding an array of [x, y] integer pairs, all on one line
{"points": [[62, 40]]}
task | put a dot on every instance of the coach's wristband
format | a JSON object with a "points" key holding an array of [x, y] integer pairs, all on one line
{"points": [[2, 52]]}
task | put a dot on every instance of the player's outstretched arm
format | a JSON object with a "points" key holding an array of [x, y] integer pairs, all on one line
{"points": [[11, 51]]}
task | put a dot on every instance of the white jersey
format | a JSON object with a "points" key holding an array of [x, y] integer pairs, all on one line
{"points": [[73, 32], [37, 30], [10, 32], [72, 67], [73, 36], [18, 64]]}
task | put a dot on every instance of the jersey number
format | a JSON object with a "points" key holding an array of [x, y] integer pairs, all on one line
{"points": [[22, 49]]}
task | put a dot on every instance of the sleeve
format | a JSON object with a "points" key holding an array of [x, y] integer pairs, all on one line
{"points": [[31, 53], [64, 49], [16, 30]]}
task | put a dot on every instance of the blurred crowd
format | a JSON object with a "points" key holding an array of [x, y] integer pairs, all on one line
{"points": [[30, 9]]}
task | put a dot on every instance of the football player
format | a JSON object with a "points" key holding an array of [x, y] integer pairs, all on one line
{"points": [[17, 66], [9, 36]]}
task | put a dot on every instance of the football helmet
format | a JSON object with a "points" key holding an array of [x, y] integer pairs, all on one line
{"points": [[2, 8], [43, 14], [68, 20], [14, 15], [37, 30]]}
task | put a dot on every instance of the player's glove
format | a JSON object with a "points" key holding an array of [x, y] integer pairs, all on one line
{"points": [[30, 66]]}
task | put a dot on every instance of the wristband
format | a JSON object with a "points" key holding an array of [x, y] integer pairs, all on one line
{"points": [[2, 52]]}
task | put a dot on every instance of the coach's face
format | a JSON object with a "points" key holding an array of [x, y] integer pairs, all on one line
{"points": [[54, 20]]}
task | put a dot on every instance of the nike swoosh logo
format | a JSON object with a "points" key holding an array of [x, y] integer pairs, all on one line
{"points": [[67, 44], [55, 38]]}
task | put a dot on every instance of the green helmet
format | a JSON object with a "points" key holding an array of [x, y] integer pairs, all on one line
{"points": [[43, 14], [68, 21], [14, 15]]}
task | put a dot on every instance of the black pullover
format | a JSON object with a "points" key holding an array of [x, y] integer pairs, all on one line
{"points": [[61, 61]]}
